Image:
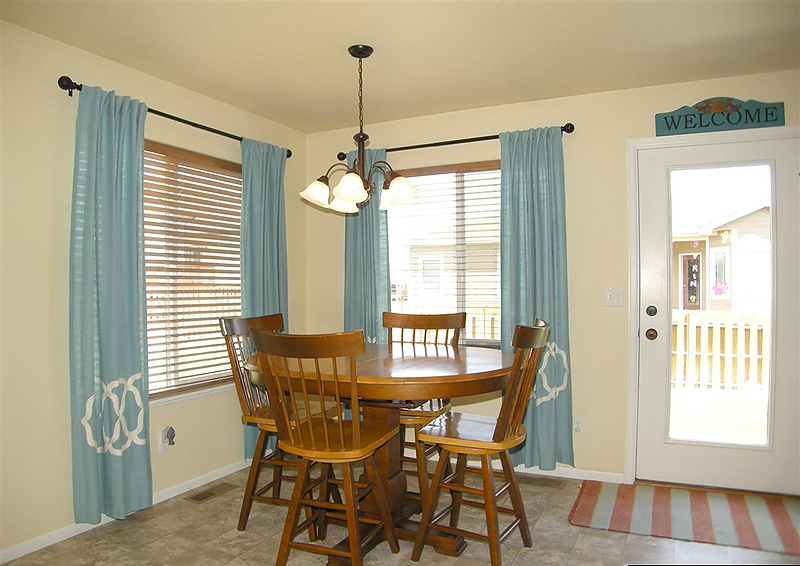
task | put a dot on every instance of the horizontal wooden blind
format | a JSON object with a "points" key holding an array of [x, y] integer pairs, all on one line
{"points": [[192, 207], [444, 247]]}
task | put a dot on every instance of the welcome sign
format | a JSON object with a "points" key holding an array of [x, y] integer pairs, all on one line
{"points": [[720, 114]]}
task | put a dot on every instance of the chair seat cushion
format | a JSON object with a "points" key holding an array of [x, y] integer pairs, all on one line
{"points": [[464, 430], [372, 437]]}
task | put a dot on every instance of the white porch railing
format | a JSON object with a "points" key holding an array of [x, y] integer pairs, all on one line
{"points": [[720, 349], [483, 323]]}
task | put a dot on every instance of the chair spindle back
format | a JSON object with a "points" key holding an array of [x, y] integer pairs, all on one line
{"points": [[307, 377], [236, 331], [425, 328], [529, 342]]}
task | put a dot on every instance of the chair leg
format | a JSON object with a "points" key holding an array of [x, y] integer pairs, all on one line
{"points": [[516, 499], [429, 505], [252, 479], [277, 473], [324, 493], [448, 467], [292, 514], [461, 464], [422, 464], [334, 489], [382, 504], [492, 527], [351, 508]]}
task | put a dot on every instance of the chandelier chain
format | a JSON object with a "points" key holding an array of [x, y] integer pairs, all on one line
{"points": [[360, 99]]}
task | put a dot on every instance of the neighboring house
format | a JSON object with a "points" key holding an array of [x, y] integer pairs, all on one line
{"points": [[724, 263]]}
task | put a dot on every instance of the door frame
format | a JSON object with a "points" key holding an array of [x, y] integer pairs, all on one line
{"points": [[634, 146]]}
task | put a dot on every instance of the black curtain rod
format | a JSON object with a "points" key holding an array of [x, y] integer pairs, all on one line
{"points": [[567, 128], [66, 83]]}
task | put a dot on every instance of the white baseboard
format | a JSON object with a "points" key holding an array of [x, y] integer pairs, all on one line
{"points": [[181, 488], [47, 539], [561, 472], [573, 473]]}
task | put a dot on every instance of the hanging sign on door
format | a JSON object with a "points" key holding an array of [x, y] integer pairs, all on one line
{"points": [[720, 114]]}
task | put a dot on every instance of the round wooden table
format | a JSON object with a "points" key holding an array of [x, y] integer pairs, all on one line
{"points": [[386, 382], [420, 372]]}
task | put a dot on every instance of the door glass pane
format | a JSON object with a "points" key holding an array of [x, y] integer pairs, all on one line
{"points": [[722, 303]]}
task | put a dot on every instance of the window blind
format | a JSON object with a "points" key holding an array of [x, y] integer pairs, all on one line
{"points": [[192, 209], [444, 247]]}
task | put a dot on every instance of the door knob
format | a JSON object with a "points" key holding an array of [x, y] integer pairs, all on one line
{"points": [[651, 310], [651, 334]]}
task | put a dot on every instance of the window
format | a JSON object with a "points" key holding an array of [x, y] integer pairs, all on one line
{"points": [[444, 247], [430, 274], [721, 269], [192, 207]]}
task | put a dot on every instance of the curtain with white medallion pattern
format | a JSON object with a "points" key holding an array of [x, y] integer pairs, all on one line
{"points": [[533, 264], [107, 335]]}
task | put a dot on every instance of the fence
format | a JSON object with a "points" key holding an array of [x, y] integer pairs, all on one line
{"points": [[720, 349], [483, 323]]}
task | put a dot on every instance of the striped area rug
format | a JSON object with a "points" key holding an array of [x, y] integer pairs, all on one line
{"points": [[733, 519]]}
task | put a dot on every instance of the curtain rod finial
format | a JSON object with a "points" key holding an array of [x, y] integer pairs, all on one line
{"points": [[66, 83]]}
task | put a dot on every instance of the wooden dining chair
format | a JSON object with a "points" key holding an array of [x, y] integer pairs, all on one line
{"points": [[423, 329], [299, 374], [464, 435], [255, 410]]}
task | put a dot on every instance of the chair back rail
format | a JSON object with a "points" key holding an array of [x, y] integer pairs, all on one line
{"points": [[301, 401], [425, 328], [236, 331], [529, 342]]}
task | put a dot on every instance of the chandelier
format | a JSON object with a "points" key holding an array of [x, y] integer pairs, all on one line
{"points": [[356, 186]]}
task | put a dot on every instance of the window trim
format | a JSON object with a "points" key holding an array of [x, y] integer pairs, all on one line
{"points": [[474, 167], [199, 158], [191, 387]]}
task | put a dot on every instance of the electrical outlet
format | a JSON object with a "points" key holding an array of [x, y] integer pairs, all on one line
{"points": [[614, 297], [577, 426], [166, 438]]}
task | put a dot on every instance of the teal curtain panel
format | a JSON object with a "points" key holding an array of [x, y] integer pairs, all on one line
{"points": [[366, 260], [533, 272], [108, 334], [263, 241]]}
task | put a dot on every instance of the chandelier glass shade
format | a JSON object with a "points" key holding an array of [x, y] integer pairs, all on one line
{"points": [[356, 186]]}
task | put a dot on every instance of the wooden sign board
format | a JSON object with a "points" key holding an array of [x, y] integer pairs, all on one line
{"points": [[720, 114]]}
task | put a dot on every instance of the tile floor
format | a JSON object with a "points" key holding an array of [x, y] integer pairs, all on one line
{"points": [[178, 532]]}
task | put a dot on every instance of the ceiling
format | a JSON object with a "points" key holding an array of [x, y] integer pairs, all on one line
{"points": [[288, 61]]}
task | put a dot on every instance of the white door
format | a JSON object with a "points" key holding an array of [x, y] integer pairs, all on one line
{"points": [[719, 331]]}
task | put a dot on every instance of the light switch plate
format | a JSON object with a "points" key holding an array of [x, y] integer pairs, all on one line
{"points": [[614, 297]]}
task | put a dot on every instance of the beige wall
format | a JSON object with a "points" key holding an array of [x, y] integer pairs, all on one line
{"points": [[38, 130], [597, 222]]}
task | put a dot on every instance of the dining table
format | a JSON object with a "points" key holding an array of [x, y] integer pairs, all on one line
{"points": [[388, 381]]}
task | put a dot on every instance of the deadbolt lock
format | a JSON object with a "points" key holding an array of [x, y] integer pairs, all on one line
{"points": [[651, 334]]}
